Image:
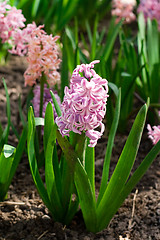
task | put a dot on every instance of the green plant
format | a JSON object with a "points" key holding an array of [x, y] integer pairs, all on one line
{"points": [[9, 160], [98, 214], [9, 155], [59, 191], [72, 174], [148, 83]]}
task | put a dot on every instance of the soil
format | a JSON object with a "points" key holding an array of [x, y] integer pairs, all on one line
{"points": [[23, 216]]}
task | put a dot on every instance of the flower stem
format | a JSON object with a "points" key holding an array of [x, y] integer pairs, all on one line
{"points": [[42, 81]]}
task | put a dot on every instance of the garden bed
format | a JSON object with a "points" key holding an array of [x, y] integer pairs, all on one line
{"points": [[24, 216]]}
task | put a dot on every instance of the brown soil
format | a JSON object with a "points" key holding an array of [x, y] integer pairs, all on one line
{"points": [[23, 215]]}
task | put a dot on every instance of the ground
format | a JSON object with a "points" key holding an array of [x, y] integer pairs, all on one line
{"points": [[23, 216]]}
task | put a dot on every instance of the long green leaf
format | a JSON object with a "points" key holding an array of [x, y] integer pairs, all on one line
{"points": [[50, 176], [49, 143], [6, 159], [83, 186], [123, 168], [94, 40], [21, 112], [64, 68], [142, 49], [56, 105], [67, 178], [135, 178], [19, 151], [110, 41], [90, 164], [48, 124], [1, 130], [35, 7], [33, 163], [152, 40], [106, 165], [8, 110]]}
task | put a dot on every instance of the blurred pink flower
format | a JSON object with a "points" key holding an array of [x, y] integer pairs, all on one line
{"points": [[154, 133], [20, 40], [11, 19], [123, 9], [150, 9], [84, 103], [42, 57]]}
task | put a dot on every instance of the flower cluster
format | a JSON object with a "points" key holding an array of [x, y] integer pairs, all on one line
{"points": [[46, 99], [154, 132], [11, 20], [40, 48], [150, 9], [42, 57], [21, 39], [124, 9], [84, 103]]}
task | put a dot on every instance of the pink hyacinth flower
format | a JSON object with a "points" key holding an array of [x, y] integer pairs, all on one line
{"points": [[84, 104], [154, 132], [42, 57], [11, 19], [123, 9], [20, 40], [150, 9]]}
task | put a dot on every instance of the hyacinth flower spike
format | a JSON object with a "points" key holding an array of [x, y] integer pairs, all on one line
{"points": [[83, 109], [150, 9], [84, 104], [123, 9]]}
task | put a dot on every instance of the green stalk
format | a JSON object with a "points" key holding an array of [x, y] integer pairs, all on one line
{"points": [[42, 81], [90, 164]]}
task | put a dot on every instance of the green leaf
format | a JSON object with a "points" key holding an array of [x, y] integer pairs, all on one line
{"points": [[35, 7], [70, 35], [64, 66], [67, 178], [114, 88], [90, 164], [50, 176], [123, 168], [33, 163], [66, 13], [57, 172], [20, 111], [152, 40], [89, 32], [56, 105], [135, 178], [48, 124], [110, 41], [94, 40], [5, 164], [83, 186], [8, 110], [3, 138], [1, 130], [142, 50], [86, 197], [106, 165], [18, 154]]}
